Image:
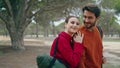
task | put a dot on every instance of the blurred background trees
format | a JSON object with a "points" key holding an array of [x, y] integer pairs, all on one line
{"points": [[19, 18]]}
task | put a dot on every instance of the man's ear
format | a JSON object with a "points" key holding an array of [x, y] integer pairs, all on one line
{"points": [[98, 18]]}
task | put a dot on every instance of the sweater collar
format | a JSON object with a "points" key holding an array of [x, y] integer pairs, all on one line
{"points": [[65, 35]]}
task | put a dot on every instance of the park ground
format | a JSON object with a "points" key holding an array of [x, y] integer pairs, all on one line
{"points": [[10, 58]]}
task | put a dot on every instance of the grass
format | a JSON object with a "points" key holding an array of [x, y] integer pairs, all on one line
{"points": [[1, 52], [111, 66], [111, 39]]}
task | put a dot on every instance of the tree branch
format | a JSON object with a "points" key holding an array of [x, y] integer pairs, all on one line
{"points": [[8, 7], [2, 18]]}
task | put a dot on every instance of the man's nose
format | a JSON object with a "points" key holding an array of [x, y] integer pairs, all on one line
{"points": [[86, 20]]}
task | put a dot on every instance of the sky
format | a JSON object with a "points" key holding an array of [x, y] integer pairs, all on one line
{"points": [[118, 19], [58, 22]]}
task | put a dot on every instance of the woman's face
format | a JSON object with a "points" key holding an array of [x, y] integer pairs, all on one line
{"points": [[72, 26]]}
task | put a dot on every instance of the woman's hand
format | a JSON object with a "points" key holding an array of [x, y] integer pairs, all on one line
{"points": [[78, 37]]}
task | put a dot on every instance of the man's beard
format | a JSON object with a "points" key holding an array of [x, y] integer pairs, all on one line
{"points": [[91, 25]]}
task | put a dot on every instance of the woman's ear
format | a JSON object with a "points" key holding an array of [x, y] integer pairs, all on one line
{"points": [[65, 25]]}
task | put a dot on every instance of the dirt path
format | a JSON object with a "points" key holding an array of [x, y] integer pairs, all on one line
{"points": [[21, 59], [27, 59], [112, 52]]}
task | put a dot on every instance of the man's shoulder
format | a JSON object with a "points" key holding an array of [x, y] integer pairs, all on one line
{"points": [[82, 27], [100, 31]]}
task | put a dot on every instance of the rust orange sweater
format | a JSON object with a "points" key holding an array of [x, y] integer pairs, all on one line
{"points": [[92, 55]]}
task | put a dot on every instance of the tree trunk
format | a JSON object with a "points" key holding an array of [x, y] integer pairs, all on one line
{"points": [[16, 34], [17, 40], [37, 30], [119, 35], [53, 29]]}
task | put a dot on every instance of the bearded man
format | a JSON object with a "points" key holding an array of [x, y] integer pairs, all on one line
{"points": [[92, 56]]}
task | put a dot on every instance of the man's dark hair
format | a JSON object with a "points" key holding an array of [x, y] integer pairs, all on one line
{"points": [[92, 8]]}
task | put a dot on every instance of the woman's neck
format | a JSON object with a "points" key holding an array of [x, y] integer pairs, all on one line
{"points": [[71, 34]]}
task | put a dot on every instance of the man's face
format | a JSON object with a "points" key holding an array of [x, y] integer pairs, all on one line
{"points": [[89, 19]]}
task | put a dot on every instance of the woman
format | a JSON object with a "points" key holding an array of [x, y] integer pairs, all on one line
{"points": [[70, 46]]}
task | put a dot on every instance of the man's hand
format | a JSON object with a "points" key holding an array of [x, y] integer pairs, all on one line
{"points": [[104, 60]]}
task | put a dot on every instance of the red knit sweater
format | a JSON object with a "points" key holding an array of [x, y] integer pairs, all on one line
{"points": [[65, 51]]}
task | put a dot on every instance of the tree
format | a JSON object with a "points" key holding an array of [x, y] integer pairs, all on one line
{"points": [[108, 19], [111, 4], [17, 15], [3, 30]]}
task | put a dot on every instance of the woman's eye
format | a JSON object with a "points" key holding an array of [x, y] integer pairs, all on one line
{"points": [[72, 22], [77, 23]]}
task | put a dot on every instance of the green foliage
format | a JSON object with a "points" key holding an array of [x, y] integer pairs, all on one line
{"points": [[111, 4], [60, 27], [117, 6], [1, 5], [108, 23]]}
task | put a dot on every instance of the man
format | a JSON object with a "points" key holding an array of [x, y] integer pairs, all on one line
{"points": [[92, 55]]}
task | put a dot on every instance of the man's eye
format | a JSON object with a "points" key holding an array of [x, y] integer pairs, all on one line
{"points": [[84, 16]]}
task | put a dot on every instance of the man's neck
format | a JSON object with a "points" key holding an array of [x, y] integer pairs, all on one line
{"points": [[91, 29]]}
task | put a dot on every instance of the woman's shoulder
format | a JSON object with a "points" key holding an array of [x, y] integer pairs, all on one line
{"points": [[63, 36]]}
